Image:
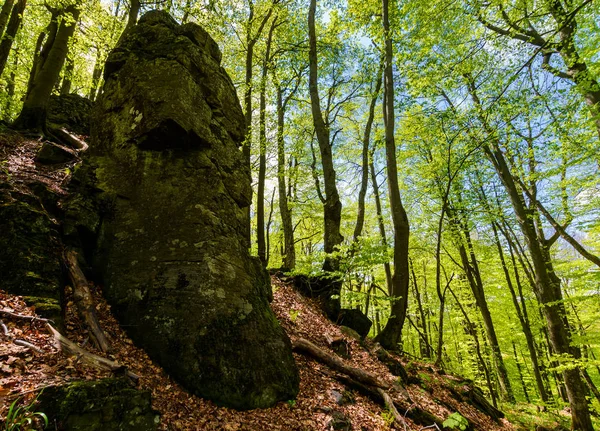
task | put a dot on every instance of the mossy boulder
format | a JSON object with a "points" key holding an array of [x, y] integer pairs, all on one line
{"points": [[70, 111], [173, 251], [98, 405], [30, 251]]}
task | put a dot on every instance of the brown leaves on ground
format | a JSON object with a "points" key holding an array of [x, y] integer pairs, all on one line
{"points": [[23, 371]]}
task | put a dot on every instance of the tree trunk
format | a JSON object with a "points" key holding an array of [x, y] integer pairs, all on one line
{"points": [[96, 76], [132, 17], [471, 269], [9, 35], [521, 310], [250, 42], [262, 159], [547, 284], [33, 113], [332, 206], [4, 14], [391, 336], [473, 332], [68, 78], [424, 346], [364, 181], [289, 251], [375, 185]]}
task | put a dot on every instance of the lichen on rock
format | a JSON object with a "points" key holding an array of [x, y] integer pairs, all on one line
{"points": [[173, 252]]}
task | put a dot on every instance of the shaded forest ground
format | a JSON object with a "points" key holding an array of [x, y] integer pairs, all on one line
{"points": [[322, 400]]}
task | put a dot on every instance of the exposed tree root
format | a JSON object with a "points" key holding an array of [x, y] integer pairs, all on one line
{"points": [[70, 348], [84, 301], [305, 346], [367, 384]]}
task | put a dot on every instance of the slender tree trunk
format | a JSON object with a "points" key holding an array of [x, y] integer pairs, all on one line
{"points": [[522, 315], [364, 181], [332, 206], [132, 17], [473, 332], [33, 113], [262, 158], [289, 251], [375, 185], [68, 78], [523, 385], [251, 40], [4, 14], [9, 35], [391, 336], [547, 284], [96, 74], [10, 89], [425, 348], [471, 268]]}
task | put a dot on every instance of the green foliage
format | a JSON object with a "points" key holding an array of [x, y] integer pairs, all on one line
{"points": [[456, 421], [294, 315], [22, 417], [388, 417]]}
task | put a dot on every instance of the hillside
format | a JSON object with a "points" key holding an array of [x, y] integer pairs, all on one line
{"points": [[25, 371]]}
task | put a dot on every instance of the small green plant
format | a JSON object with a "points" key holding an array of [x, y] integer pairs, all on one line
{"points": [[22, 418], [291, 403], [456, 421], [387, 417], [4, 168], [294, 315]]}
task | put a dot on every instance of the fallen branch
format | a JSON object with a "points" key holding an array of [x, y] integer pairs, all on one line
{"points": [[305, 346], [24, 343], [414, 413], [85, 303], [62, 135], [389, 404], [4, 329], [24, 317], [18, 341], [70, 348]]}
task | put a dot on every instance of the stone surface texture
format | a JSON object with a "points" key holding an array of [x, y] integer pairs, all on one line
{"points": [[172, 252], [99, 405]]}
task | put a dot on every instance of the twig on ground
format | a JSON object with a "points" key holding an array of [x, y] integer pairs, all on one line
{"points": [[25, 317], [27, 344]]}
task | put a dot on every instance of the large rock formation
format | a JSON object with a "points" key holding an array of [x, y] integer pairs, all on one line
{"points": [[172, 251]]}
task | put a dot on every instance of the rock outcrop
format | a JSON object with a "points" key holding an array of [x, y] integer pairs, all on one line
{"points": [[172, 251], [107, 404]]}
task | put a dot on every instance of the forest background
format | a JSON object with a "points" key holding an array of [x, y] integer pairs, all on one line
{"points": [[438, 160]]}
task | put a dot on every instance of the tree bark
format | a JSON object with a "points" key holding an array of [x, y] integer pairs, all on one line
{"points": [[289, 251], [391, 336], [84, 301], [364, 181], [262, 158], [305, 346], [332, 206], [65, 88], [4, 14], [12, 29], [33, 113], [386, 266]]}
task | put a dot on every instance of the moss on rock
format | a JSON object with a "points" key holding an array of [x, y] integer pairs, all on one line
{"points": [[173, 251], [107, 404]]}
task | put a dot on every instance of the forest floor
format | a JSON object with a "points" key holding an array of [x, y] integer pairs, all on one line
{"points": [[24, 371]]}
